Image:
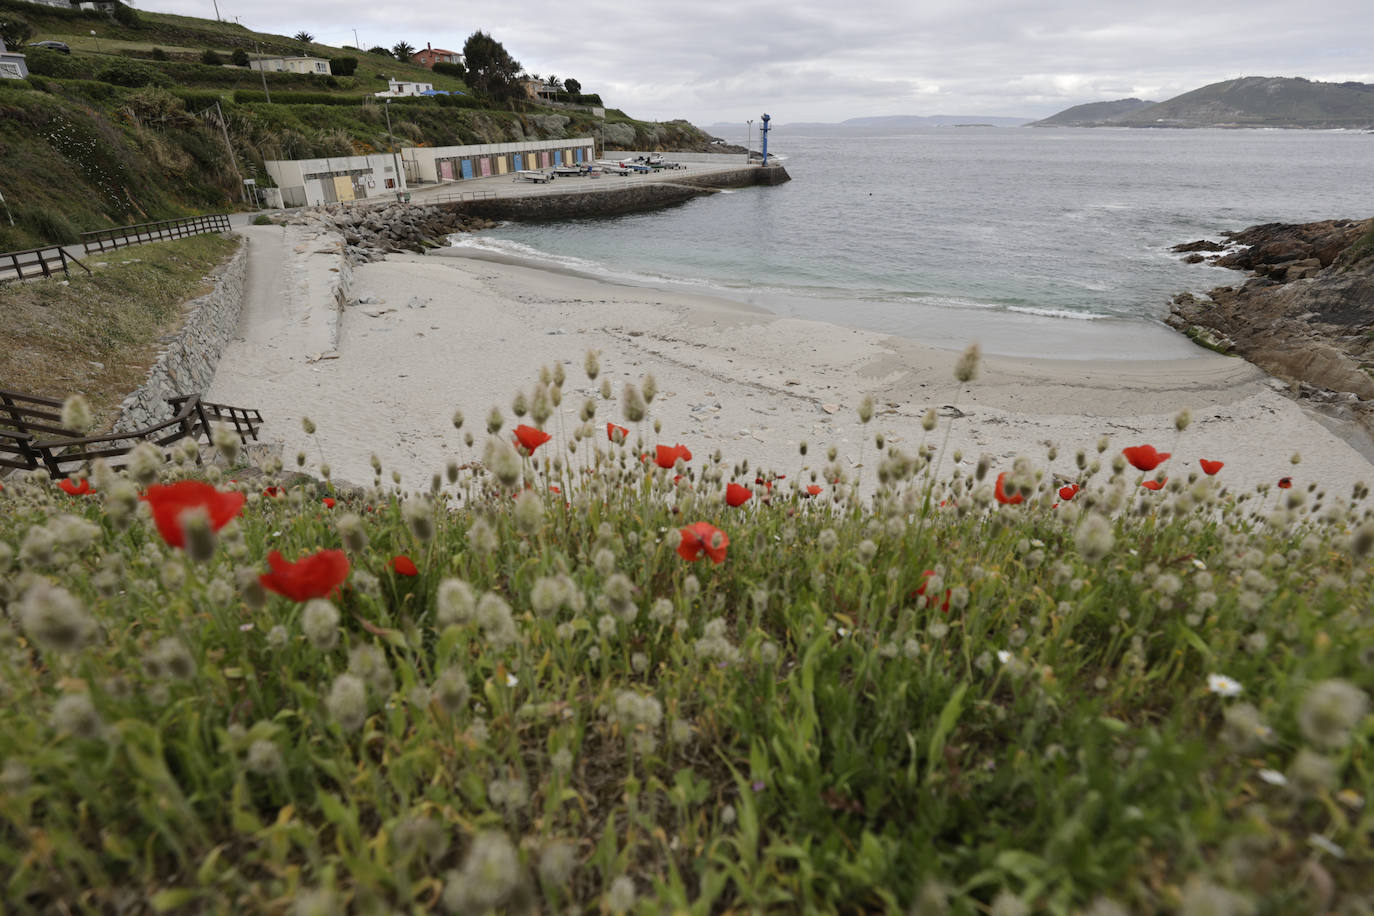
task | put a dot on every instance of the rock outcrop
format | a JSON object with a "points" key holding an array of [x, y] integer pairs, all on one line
{"points": [[1305, 315], [371, 230]]}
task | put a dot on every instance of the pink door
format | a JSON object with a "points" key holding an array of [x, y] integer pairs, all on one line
{"points": [[486, 166], [446, 169]]}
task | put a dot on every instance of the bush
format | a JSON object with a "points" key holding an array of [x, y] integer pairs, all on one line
{"points": [[262, 219], [125, 72], [126, 16], [246, 96], [47, 62], [343, 66], [53, 227], [239, 58], [381, 52], [447, 69], [211, 58], [159, 54]]}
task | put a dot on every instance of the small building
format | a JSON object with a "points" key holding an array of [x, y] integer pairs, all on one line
{"points": [[314, 65], [398, 88], [539, 90], [458, 163], [12, 65], [432, 55], [310, 182]]}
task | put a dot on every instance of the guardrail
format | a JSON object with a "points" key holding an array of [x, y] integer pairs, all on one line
{"points": [[452, 196], [121, 236], [36, 262]]}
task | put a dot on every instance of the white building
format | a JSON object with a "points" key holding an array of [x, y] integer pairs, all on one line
{"points": [[291, 65], [397, 88], [12, 65], [456, 163], [310, 182]]}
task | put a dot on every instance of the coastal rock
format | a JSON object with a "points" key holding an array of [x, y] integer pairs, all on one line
{"points": [[1306, 315]]}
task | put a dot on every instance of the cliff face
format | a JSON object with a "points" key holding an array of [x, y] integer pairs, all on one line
{"points": [[1305, 315]]}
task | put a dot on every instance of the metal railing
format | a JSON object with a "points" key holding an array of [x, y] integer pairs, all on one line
{"points": [[120, 236], [36, 262]]}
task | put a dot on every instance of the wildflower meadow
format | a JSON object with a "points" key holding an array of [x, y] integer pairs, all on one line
{"points": [[589, 668]]}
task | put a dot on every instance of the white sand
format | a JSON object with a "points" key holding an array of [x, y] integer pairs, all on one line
{"points": [[456, 333]]}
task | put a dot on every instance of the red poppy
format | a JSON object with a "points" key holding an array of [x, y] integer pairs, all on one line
{"points": [[700, 537], [1001, 493], [766, 484], [1154, 484], [736, 495], [813, 490], [612, 430], [316, 576], [170, 501], [1285, 483], [529, 438], [554, 489], [921, 590], [328, 502], [666, 456], [1144, 457], [1069, 492], [403, 565], [1210, 467], [75, 487], [274, 492]]}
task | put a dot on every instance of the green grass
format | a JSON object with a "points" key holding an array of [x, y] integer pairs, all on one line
{"points": [[812, 725]]}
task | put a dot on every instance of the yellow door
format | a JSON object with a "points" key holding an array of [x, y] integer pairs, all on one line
{"points": [[343, 187]]}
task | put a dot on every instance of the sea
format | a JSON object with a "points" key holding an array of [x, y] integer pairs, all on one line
{"points": [[1041, 242]]}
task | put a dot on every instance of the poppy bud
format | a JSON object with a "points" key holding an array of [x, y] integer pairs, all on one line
{"points": [[495, 420], [966, 369], [457, 419], [376, 464], [591, 365], [520, 406], [308, 425], [634, 405], [649, 387]]}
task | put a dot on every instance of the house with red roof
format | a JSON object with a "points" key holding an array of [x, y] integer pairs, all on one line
{"points": [[432, 55]]}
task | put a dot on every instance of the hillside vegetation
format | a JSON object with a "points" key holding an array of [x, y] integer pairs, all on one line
{"points": [[1252, 101], [96, 133]]}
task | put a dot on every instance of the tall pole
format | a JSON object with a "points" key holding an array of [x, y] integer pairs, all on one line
{"points": [[229, 146], [748, 141], [262, 73], [216, 2], [763, 131], [395, 163], [356, 43]]}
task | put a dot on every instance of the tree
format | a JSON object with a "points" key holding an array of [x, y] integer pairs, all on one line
{"points": [[343, 66], [304, 36], [211, 58], [573, 86], [239, 58], [554, 82], [14, 31], [379, 50], [402, 50], [491, 69]]}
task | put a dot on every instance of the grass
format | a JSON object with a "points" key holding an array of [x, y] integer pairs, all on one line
{"points": [[926, 701], [97, 335]]}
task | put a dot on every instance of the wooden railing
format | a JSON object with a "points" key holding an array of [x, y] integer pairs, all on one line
{"points": [[36, 262], [32, 435], [120, 236]]}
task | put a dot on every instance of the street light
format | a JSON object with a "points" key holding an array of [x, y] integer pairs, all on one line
{"points": [[749, 140], [395, 162]]}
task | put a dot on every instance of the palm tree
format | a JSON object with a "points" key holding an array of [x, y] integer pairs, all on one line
{"points": [[402, 50], [305, 36]]}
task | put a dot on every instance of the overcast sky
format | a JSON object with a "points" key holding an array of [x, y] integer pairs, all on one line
{"points": [[726, 60]]}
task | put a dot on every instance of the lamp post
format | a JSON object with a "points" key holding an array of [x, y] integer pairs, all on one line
{"points": [[96, 40], [395, 162], [749, 141]]}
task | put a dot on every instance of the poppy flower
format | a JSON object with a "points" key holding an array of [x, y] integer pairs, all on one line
{"points": [[1069, 492], [736, 495], [529, 438], [814, 490], [274, 492], [403, 565], [612, 430], [316, 576], [329, 502], [75, 487], [1210, 467], [1154, 484], [766, 484], [1001, 493], [930, 602], [1144, 457], [700, 537], [1285, 483], [666, 456], [169, 501], [554, 489]]}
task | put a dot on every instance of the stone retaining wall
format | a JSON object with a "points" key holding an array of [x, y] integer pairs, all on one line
{"points": [[187, 361]]}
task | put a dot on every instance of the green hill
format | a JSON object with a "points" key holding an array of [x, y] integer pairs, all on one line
{"points": [[1252, 101], [1091, 114], [127, 128]]}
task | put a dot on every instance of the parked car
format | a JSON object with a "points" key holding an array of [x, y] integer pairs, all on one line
{"points": [[54, 45]]}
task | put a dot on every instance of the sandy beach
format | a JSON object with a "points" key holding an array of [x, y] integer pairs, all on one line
{"points": [[431, 334]]}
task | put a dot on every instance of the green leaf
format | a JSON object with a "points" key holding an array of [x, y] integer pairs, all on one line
{"points": [[949, 717]]}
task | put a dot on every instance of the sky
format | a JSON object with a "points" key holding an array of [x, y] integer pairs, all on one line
{"points": [[722, 61]]}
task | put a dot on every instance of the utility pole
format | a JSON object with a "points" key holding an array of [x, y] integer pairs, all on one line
{"points": [[356, 43], [230, 147], [262, 73], [216, 2], [395, 162]]}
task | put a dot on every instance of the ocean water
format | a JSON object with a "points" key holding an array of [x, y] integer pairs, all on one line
{"points": [[1041, 242]]}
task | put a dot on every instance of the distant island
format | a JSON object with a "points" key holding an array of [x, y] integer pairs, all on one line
{"points": [[1252, 101]]}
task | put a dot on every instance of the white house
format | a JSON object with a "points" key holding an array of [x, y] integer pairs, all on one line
{"points": [[398, 88], [12, 65], [291, 65], [309, 182]]}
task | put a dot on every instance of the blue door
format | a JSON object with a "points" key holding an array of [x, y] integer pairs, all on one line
{"points": [[467, 168], [578, 152], [519, 162], [558, 157]]}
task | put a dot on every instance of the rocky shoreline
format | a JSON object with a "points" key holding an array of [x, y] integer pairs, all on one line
{"points": [[1305, 315]]}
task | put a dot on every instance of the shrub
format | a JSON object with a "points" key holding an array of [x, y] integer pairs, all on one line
{"points": [[159, 54], [343, 66], [125, 72], [239, 58], [447, 69], [262, 219], [211, 58]]}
